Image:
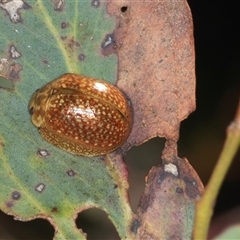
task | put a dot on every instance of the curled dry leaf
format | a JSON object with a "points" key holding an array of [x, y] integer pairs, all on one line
{"points": [[154, 40]]}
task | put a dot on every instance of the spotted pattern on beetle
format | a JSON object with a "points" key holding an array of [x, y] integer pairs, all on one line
{"points": [[81, 115]]}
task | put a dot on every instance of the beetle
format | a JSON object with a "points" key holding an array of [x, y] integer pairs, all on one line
{"points": [[81, 115]]}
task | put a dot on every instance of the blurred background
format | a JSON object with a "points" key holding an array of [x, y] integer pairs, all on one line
{"points": [[202, 134]]}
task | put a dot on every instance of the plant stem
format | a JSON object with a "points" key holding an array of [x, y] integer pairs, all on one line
{"points": [[204, 208]]}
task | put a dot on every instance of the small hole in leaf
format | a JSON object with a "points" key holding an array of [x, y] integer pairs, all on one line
{"points": [[95, 223], [38, 229], [124, 9], [139, 161]]}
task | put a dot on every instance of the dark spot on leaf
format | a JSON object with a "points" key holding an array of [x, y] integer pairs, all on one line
{"points": [[124, 9], [135, 225], [179, 190], [9, 204], [161, 178], [58, 4], [63, 37], [1, 143], [71, 173], [161, 60], [40, 187], [43, 153], [16, 195], [64, 25], [73, 44], [95, 3], [115, 186], [81, 57], [108, 45], [45, 61], [13, 52], [15, 69], [108, 41], [54, 209], [145, 202], [191, 187]]}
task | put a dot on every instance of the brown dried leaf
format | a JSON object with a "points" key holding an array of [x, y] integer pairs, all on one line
{"points": [[155, 44], [166, 209]]}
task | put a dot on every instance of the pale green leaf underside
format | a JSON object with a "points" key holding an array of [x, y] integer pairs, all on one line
{"points": [[232, 232]]}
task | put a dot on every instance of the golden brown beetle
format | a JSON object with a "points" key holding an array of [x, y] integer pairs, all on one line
{"points": [[81, 115]]}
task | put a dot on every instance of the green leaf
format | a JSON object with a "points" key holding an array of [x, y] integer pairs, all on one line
{"points": [[232, 232], [39, 41]]}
